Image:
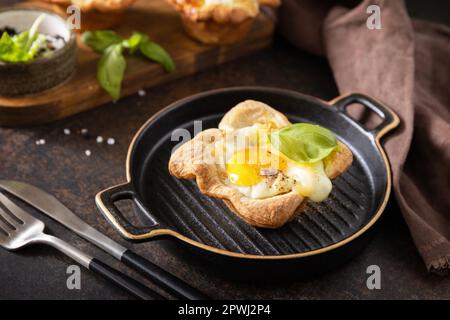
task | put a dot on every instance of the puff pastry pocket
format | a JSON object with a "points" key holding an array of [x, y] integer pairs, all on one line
{"points": [[196, 159]]}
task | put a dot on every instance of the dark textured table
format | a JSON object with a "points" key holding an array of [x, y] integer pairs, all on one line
{"points": [[61, 167]]}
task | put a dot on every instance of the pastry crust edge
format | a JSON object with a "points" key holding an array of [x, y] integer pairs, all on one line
{"points": [[221, 13]]}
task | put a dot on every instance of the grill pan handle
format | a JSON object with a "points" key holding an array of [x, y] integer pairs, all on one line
{"points": [[389, 119], [106, 203]]}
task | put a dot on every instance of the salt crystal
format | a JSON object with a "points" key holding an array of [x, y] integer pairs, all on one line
{"points": [[42, 141], [88, 153], [142, 93], [110, 141], [99, 139], [67, 132], [84, 131]]}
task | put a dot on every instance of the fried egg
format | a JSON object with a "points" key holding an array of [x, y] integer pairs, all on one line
{"points": [[259, 171]]}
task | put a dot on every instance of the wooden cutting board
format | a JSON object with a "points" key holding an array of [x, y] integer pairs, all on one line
{"points": [[156, 18]]}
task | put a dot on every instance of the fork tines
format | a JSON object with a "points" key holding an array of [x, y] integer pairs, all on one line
{"points": [[8, 220]]}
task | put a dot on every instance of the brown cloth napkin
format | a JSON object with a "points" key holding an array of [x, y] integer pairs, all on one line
{"points": [[406, 65]]}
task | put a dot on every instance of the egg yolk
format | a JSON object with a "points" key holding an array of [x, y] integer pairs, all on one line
{"points": [[244, 167]]}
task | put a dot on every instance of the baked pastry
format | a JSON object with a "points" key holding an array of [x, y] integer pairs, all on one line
{"points": [[96, 14], [101, 5], [243, 162], [219, 21]]}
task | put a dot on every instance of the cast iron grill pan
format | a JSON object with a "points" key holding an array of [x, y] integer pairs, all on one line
{"points": [[173, 207], [209, 221]]}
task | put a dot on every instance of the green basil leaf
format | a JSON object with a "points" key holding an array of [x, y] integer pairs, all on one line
{"points": [[111, 69], [155, 52], [133, 42], [101, 39], [304, 142]]}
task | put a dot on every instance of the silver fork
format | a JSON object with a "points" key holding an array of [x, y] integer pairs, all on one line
{"points": [[19, 229]]}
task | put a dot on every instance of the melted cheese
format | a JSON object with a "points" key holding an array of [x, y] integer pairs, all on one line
{"points": [[311, 180]]}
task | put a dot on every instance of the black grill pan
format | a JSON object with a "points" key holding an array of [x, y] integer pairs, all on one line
{"points": [[318, 239]]}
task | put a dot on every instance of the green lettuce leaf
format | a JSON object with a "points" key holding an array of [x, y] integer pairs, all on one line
{"points": [[6, 44], [23, 47], [20, 48]]}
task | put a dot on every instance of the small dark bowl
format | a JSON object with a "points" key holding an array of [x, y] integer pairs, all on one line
{"points": [[44, 72]]}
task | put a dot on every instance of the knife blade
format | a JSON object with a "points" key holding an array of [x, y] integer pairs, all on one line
{"points": [[52, 207]]}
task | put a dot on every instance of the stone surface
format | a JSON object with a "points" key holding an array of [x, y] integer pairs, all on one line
{"points": [[62, 168]]}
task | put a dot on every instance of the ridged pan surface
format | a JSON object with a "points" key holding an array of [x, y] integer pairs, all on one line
{"points": [[354, 199]]}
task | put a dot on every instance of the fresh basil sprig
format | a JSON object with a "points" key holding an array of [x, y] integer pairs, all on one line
{"points": [[304, 142], [112, 65]]}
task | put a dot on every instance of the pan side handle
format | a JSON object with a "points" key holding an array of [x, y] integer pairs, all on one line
{"points": [[390, 120], [105, 201]]}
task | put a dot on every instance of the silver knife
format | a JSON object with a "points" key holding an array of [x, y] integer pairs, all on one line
{"points": [[52, 207]]}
